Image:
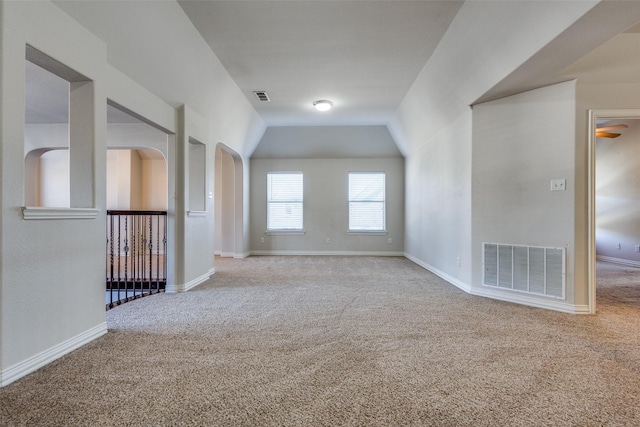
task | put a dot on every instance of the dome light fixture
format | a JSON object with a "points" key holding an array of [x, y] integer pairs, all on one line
{"points": [[323, 105]]}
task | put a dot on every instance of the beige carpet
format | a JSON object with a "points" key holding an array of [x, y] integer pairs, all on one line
{"points": [[341, 341]]}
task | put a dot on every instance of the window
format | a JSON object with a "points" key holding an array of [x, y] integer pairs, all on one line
{"points": [[284, 201], [367, 201]]}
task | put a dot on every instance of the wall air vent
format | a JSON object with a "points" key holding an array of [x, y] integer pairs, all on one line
{"points": [[262, 96], [530, 269]]}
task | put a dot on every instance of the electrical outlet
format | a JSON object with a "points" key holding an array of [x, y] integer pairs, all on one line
{"points": [[262, 240], [558, 184], [458, 261], [389, 240], [327, 240], [637, 248], [619, 246]]}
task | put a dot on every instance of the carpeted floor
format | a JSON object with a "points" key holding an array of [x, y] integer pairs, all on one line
{"points": [[343, 341]]}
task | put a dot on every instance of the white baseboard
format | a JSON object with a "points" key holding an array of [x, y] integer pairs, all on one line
{"points": [[226, 254], [455, 282], [173, 289], [620, 261], [241, 255], [320, 253], [519, 298], [516, 298], [33, 363]]}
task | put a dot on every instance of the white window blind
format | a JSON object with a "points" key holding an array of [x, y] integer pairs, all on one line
{"points": [[284, 201], [367, 201]]}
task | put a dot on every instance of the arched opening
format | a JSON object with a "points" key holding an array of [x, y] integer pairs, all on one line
{"points": [[228, 203], [47, 181]]}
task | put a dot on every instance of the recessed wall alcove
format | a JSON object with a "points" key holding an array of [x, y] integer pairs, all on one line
{"points": [[58, 164]]}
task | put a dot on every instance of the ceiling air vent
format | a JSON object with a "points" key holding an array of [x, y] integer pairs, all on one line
{"points": [[262, 96]]}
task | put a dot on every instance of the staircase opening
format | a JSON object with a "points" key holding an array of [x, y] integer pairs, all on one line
{"points": [[137, 202], [136, 254]]}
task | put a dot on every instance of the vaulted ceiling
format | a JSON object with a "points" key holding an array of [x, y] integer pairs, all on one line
{"points": [[365, 55], [362, 56]]}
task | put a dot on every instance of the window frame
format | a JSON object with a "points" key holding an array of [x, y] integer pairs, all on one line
{"points": [[284, 230], [383, 229]]}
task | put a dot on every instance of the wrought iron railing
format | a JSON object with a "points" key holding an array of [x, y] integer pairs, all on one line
{"points": [[136, 255]]}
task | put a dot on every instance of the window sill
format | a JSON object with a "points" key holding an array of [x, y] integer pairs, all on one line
{"points": [[59, 213], [364, 232], [285, 233]]}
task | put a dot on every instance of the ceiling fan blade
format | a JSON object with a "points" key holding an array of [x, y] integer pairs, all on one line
{"points": [[607, 134], [612, 127]]}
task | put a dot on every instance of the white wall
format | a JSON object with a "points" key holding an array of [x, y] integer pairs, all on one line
{"points": [[486, 42], [203, 85], [326, 142], [148, 72], [225, 224], [112, 190], [136, 135], [41, 318], [39, 138], [54, 177], [135, 182], [326, 207], [46, 135], [521, 143], [326, 154], [193, 77], [197, 176], [154, 184]]}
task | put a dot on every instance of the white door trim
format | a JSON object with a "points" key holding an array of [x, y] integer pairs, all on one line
{"points": [[594, 116]]}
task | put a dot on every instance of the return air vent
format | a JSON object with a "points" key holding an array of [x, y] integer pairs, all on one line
{"points": [[530, 269], [262, 96]]}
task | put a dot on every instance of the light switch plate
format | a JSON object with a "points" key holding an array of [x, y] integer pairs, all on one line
{"points": [[558, 184]]}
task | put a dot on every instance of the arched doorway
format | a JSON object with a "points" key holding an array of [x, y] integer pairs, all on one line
{"points": [[229, 204]]}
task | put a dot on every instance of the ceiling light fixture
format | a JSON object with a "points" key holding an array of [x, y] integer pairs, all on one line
{"points": [[323, 105]]}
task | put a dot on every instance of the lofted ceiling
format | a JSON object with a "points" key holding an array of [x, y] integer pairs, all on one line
{"points": [[361, 55]]}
